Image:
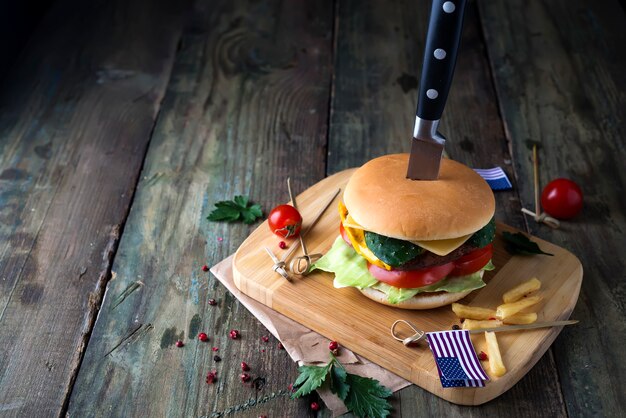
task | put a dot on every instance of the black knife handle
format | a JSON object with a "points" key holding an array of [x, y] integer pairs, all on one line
{"points": [[442, 44]]}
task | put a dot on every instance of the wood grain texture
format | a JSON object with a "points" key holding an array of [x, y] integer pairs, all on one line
{"points": [[559, 72], [76, 113], [246, 107], [372, 113], [363, 326]]}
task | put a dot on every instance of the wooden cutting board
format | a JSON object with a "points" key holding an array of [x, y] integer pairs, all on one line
{"points": [[363, 326]]}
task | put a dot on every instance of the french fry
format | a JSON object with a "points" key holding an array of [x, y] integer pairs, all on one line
{"points": [[521, 290], [471, 312], [474, 324], [509, 309], [493, 351], [521, 318]]}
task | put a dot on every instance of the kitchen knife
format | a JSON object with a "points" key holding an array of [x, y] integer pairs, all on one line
{"points": [[442, 43]]}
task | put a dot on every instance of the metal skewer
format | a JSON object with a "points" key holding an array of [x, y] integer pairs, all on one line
{"points": [[420, 335]]}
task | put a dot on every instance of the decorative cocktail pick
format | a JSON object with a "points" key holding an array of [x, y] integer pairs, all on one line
{"points": [[537, 215]]}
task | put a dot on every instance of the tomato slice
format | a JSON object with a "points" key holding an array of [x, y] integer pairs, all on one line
{"points": [[411, 278], [472, 262], [407, 279], [344, 234]]}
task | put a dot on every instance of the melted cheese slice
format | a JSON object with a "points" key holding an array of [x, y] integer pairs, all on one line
{"points": [[349, 222], [440, 247], [357, 238]]}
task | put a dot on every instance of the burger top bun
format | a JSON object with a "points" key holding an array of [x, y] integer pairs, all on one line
{"points": [[381, 199]]}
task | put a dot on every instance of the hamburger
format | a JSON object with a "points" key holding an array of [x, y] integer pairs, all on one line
{"points": [[413, 244]]}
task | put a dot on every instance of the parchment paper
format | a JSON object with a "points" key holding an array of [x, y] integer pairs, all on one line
{"points": [[305, 346]]}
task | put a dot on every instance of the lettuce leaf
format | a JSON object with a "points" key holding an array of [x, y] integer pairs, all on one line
{"points": [[351, 271], [449, 284], [350, 268]]}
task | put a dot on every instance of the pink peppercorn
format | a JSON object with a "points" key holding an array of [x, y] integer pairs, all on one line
{"points": [[211, 377], [179, 343], [205, 268], [203, 337]]}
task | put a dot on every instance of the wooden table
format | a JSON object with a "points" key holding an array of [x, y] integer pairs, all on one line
{"points": [[122, 123]]}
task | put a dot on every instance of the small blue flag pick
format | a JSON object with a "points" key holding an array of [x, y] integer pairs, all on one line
{"points": [[495, 177]]}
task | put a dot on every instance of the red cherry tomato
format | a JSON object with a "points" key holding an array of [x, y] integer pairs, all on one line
{"points": [[472, 262], [411, 278], [285, 221], [562, 199], [344, 234]]}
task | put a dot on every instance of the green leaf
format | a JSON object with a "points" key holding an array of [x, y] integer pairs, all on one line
{"points": [[310, 378], [252, 214], [519, 243], [338, 384], [367, 397], [241, 201], [227, 204], [224, 213], [234, 210]]}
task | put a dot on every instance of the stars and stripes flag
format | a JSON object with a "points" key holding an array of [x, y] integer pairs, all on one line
{"points": [[495, 177], [456, 359]]}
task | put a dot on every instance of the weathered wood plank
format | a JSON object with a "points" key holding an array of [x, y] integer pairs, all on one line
{"points": [[246, 107], [559, 72], [76, 114], [18, 20], [378, 59]]}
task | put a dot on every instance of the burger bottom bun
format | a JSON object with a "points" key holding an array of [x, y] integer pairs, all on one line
{"points": [[419, 301]]}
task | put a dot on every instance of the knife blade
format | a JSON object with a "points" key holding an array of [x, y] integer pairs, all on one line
{"points": [[442, 43], [524, 326]]}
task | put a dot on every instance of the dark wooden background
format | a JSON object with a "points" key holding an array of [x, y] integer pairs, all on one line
{"points": [[122, 122]]}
